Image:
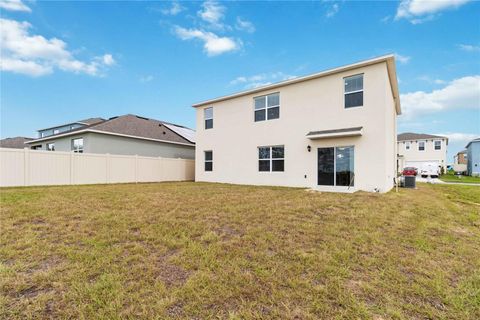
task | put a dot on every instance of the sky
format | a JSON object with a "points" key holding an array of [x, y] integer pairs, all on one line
{"points": [[66, 61]]}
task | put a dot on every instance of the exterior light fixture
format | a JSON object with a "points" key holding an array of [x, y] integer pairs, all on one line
{"points": [[309, 148]]}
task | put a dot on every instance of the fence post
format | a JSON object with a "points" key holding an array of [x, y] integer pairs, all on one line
{"points": [[107, 168], [136, 168], [72, 165], [26, 166]]}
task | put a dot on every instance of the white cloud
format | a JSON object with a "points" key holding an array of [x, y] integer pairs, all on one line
{"points": [[402, 59], [14, 5], [332, 10], [260, 80], [462, 93], [458, 137], [439, 81], [244, 25], [469, 47], [419, 11], [108, 59], [35, 55], [212, 44], [213, 13], [175, 9]]}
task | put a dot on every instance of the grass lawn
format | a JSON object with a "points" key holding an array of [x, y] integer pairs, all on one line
{"points": [[450, 177], [199, 251]]}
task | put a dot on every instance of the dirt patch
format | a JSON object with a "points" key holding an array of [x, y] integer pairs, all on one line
{"points": [[31, 292], [175, 310], [227, 232], [170, 273]]}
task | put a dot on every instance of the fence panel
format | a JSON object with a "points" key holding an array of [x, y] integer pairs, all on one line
{"points": [[24, 167]]}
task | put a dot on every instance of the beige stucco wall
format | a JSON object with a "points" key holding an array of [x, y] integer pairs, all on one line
{"points": [[429, 154], [311, 105]]}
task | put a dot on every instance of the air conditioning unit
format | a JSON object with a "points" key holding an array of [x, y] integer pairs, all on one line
{"points": [[410, 182]]}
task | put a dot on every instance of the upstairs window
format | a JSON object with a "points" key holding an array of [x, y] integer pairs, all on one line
{"points": [[407, 145], [208, 160], [50, 146], [421, 146], [77, 145], [438, 145], [353, 91], [208, 116], [267, 107], [271, 158]]}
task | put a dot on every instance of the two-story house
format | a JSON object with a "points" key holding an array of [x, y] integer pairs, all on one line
{"points": [[125, 135], [334, 131], [473, 157], [423, 151]]}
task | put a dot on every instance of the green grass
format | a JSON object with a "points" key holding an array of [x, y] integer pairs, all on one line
{"points": [[450, 177], [200, 251]]}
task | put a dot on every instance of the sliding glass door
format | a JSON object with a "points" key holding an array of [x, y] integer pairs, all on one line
{"points": [[336, 166]]}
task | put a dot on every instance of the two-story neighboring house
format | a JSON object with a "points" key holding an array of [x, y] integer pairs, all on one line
{"points": [[423, 151], [334, 130], [473, 157], [124, 135]]}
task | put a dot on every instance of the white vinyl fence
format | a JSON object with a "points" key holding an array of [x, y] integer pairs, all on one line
{"points": [[24, 167]]}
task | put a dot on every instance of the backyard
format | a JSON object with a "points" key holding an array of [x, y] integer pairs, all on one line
{"points": [[199, 250]]}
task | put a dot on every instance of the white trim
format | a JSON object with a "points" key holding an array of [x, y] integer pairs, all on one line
{"points": [[109, 133], [336, 134], [389, 59]]}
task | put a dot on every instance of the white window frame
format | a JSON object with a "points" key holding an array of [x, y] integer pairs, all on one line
{"points": [[205, 118], [424, 145], [271, 158], [407, 145], [266, 107], [434, 145], [48, 144], [79, 150], [205, 160], [355, 91]]}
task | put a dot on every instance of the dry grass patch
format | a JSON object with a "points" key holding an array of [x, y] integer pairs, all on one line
{"points": [[198, 250]]}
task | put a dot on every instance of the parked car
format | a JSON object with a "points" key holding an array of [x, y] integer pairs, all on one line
{"points": [[409, 171]]}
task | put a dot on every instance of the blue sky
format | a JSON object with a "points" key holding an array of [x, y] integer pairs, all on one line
{"points": [[64, 61]]}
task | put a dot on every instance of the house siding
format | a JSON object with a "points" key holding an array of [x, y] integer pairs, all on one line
{"points": [[473, 158], [312, 105], [103, 143], [429, 154]]}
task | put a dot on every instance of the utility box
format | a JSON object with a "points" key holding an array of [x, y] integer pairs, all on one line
{"points": [[410, 182]]}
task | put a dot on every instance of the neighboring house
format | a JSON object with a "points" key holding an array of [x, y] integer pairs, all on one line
{"points": [[423, 151], [333, 131], [461, 157], [127, 134], [15, 142], [473, 157]]}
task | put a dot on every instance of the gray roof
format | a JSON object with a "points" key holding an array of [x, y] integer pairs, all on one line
{"points": [[474, 140], [137, 126], [417, 136], [15, 142], [88, 121], [312, 133]]}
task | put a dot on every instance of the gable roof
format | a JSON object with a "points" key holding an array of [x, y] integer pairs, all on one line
{"points": [[134, 126], [388, 59], [474, 140], [417, 136], [14, 142], [88, 121]]}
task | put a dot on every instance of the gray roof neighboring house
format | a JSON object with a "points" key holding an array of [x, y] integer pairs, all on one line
{"points": [[88, 121], [134, 126], [417, 136], [15, 142], [474, 140]]}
